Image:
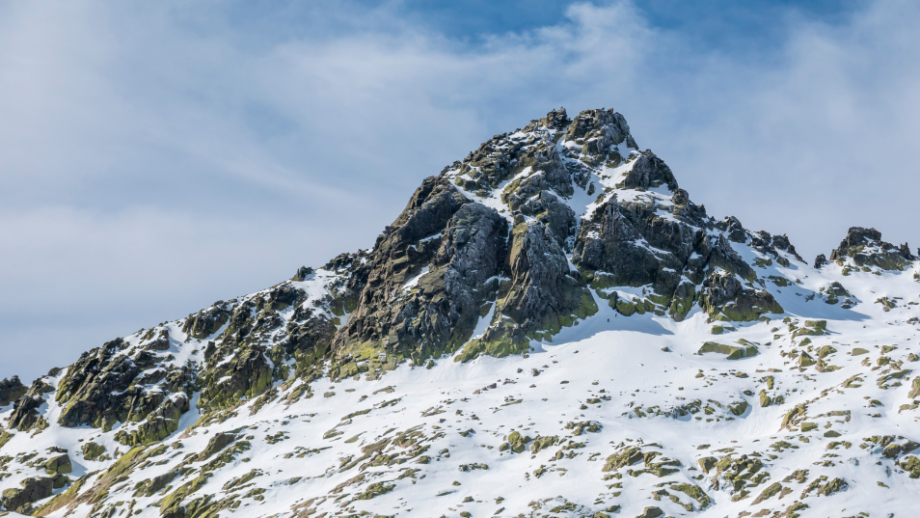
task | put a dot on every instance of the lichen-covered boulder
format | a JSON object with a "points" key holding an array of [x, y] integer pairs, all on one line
{"points": [[32, 490], [92, 451], [59, 464]]}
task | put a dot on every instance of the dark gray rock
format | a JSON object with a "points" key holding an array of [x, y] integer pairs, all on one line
{"points": [[650, 171], [25, 412], [544, 295], [553, 212], [207, 321], [598, 129], [821, 261], [554, 120], [733, 227], [724, 297], [10, 390], [439, 313], [303, 273]]}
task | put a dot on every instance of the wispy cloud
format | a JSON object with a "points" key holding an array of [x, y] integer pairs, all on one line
{"points": [[158, 156]]}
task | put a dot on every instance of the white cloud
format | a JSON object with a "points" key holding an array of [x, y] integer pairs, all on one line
{"points": [[158, 156]]}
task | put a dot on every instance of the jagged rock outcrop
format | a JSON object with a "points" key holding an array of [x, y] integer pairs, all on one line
{"points": [[10, 390], [864, 246], [225, 383], [25, 413], [821, 261], [724, 297], [106, 385], [648, 172], [207, 321]]}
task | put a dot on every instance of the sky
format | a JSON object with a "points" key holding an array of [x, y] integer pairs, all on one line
{"points": [[158, 156]]}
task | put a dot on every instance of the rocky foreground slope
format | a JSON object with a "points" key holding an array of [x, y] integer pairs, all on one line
{"points": [[551, 328]]}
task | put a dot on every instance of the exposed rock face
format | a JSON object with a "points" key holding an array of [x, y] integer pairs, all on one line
{"points": [[543, 296], [864, 246], [552, 211], [247, 375], [782, 243], [106, 386], [430, 274], [615, 243], [11, 390], [158, 424]]}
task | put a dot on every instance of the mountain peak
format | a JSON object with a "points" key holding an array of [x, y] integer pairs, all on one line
{"points": [[551, 327]]}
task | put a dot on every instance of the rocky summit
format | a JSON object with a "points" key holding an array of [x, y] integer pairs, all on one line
{"points": [[551, 328]]}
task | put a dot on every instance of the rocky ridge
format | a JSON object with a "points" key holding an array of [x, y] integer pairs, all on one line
{"points": [[560, 236]]}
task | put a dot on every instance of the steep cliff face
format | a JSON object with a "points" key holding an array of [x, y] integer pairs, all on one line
{"points": [[559, 257]]}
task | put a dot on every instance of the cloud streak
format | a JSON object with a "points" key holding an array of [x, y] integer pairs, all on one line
{"points": [[157, 157]]}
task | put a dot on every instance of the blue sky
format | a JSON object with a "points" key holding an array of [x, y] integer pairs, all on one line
{"points": [[160, 156]]}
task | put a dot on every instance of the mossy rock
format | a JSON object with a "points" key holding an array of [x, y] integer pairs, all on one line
{"points": [[542, 443], [707, 463], [376, 489], [768, 493], [732, 352], [805, 360], [92, 451], [60, 464], [32, 490], [738, 408], [622, 459], [217, 443], [914, 388], [911, 464]]}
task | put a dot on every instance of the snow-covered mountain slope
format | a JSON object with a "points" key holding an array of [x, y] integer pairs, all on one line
{"points": [[551, 328]]}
